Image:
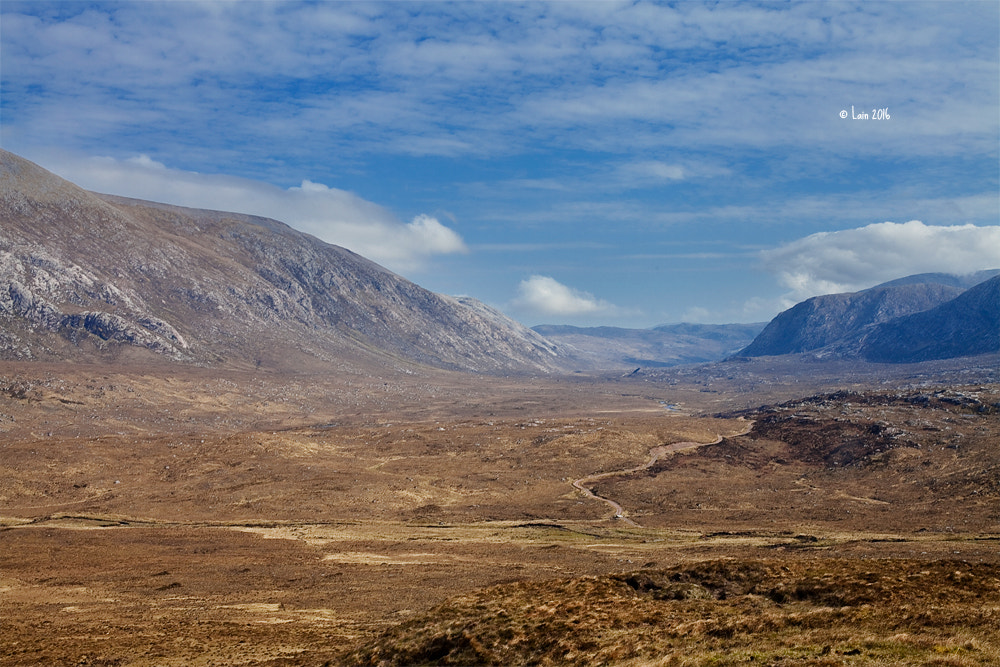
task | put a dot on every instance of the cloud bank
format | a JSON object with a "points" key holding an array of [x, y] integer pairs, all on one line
{"points": [[335, 216], [543, 295], [492, 78], [855, 259]]}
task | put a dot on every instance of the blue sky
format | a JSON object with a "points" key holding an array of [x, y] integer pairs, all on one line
{"points": [[596, 163]]}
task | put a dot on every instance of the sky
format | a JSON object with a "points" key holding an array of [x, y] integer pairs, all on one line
{"points": [[585, 163]]}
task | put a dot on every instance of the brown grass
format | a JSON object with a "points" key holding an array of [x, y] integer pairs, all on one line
{"points": [[823, 611], [149, 518]]}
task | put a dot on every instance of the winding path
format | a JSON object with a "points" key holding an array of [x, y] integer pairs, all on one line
{"points": [[655, 454]]}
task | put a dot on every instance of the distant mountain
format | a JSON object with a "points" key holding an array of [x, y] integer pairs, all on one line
{"points": [[917, 318], [86, 276], [823, 320], [664, 345], [967, 325]]}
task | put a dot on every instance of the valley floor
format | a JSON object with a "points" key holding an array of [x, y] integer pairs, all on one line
{"points": [[203, 518]]}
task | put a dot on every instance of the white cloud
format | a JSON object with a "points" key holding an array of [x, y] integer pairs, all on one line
{"points": [[651, 171], [760, 309], [335, 216], [146, 162], [547, 296], [433, 236], [854, 259], [697, 315], [474, 79]]}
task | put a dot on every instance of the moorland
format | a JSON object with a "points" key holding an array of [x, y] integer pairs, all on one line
{"points": [[184, 516]]}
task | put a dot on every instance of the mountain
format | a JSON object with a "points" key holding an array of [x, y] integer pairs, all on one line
{"points": [[823, 320], [664, 345], [917, 318], [967, 325], [85, 276], [962, 282]]}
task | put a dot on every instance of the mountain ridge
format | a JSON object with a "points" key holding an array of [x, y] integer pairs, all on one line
{"points": [[822, 320], [967, 325], [660, 346], [914, 318], [83, 273]]}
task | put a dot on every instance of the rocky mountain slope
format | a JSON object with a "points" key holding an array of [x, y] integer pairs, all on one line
{"points": [[87, 276], [967, 325], [661, 346], [911, 319], [822, 320]]}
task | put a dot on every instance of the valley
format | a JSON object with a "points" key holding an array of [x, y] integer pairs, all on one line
{"points": [[199, 517], [226, 442]]}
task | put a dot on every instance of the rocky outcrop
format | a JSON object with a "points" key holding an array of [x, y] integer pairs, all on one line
{"points": [[36, 290]]}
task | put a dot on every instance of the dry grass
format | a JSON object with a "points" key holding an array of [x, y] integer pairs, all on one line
{"points": [[150, 518], [829, 611]]}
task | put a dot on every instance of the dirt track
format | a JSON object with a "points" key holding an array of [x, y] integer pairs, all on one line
{"points": [[655, 454]]}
